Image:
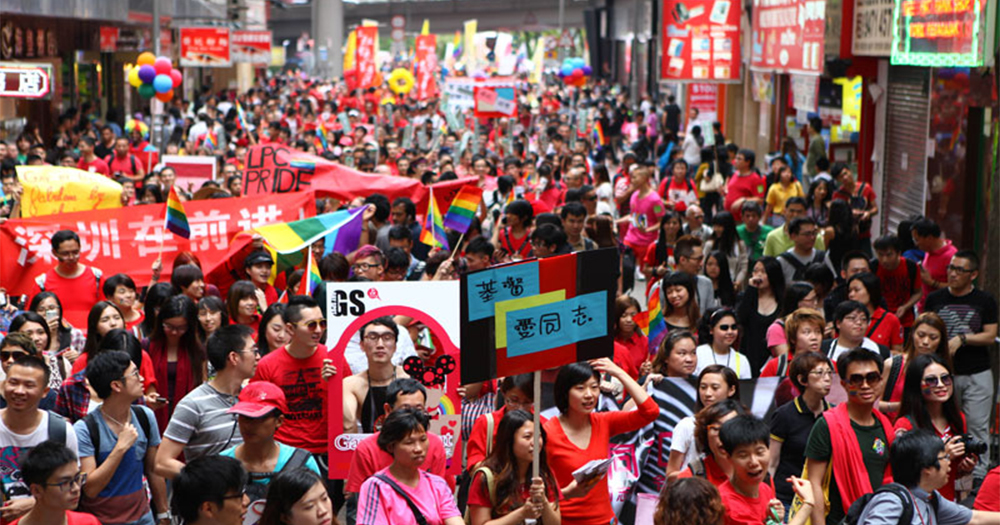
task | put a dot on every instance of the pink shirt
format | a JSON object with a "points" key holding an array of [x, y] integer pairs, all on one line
{"points": [[646, 212], [379, 504], [936, 263]]}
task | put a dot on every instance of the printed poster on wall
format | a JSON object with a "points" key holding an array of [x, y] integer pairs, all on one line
{"points": [[788, 36], [702, 40], [252, 47], [426, 349], [205, 47], [872, 28]]}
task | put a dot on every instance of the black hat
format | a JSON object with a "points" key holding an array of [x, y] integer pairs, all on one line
{"points": [[258, 257]]}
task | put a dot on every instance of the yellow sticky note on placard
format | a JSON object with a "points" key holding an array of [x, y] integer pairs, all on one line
{"points": [[503, 307]]}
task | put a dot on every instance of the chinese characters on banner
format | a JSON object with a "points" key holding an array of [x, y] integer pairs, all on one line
{"points": [[946, 33], [205, 46], [25, 80], [426, 66], [367, 48], [433, 307], [537, 314], [788, 36], [252, 47], [702, 40], [128, 240]]}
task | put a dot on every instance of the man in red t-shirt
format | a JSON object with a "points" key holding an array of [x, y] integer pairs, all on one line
{"points": [[368, 458], [747, 499], [745, 185], [89, 161], [125, 163], [302, 369], [937, 256], [78, 286], [899, 278]]}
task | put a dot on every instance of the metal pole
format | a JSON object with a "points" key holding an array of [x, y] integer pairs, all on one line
{"points": [[560, 53], [156, 107]]}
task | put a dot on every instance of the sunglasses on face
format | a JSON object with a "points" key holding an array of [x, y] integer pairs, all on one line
{"points": [[727, 327], [872, 378], [5, 355], [311, 325], [943, 379]]}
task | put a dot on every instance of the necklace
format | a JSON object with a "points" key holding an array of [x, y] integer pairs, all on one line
{"points": [[113, 420], [728, 355]]}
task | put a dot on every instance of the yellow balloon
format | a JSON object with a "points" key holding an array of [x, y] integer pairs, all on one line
{"points": [[401, 81], [146, 58], [133, 77]]}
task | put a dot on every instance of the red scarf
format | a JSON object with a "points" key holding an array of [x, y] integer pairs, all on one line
{"points": [[847, 462], [183, 384]]}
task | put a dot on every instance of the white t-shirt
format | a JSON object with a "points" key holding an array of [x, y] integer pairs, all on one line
{"points": [[836, 349], [734, 360], [14, 447], [683, 441]]}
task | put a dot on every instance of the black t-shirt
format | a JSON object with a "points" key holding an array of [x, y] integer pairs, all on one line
{"points": [[967, 314], [790, 426], [874, 452]]}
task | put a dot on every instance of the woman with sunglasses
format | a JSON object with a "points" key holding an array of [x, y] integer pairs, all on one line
{"points": [[718, 332], [177, 355], [929, 403], [929, 335]]}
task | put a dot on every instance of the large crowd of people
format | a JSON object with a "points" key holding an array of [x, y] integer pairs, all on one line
{"points": [[184, 400]]}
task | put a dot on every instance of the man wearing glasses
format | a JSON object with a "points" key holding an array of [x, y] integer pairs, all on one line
{"points": [[803, 232], [210, 491], [365, 392], [52, 472], [369, 262], [201, 424], [851, 320], [23, 426], [971, 317], [689, 252], [77, 285], [852, 439], [302, 369]]}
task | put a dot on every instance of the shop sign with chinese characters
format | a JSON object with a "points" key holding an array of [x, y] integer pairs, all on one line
{"points": [[938, 33], [25, 80]]}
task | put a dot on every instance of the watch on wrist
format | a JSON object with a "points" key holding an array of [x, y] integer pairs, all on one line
{"points": [[163, 516], [962, 337]]}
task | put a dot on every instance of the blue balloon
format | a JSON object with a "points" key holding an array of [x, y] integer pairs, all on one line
{"points": [[147, 74], [163, 83], [578, 62], [566, 70]]}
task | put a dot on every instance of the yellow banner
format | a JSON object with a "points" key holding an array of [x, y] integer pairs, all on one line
{"points": [[470, 45], [538, 61], [55, 189], [352, 47]]}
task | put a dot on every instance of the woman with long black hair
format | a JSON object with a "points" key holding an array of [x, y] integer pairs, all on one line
{"points": [[717, 269], [758, 308], [177, 355], [503, 490], [725, 239], [65, 337]]}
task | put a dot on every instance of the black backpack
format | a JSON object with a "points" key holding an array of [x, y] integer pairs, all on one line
{"points": [[258, 491], [800, 269], [854, 512], [95, 431]]}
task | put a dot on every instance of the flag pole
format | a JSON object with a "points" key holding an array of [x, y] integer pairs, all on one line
{"points": [[537, 420], [457, 245]]}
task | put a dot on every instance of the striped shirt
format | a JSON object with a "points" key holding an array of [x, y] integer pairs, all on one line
{"points": [[201, 424]]}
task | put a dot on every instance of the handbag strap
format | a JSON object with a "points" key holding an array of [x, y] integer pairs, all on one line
{"points": [[421, 520]]}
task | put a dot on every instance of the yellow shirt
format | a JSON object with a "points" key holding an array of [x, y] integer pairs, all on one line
{"points": [[777, 195]]}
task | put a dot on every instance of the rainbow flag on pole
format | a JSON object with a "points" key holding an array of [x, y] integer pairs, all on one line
{"points": [[211, 140], [241, 117], [311, 278], [463, 208], [602, 139], [321, 134], [433, 232], [651, 321], [175, 219]]}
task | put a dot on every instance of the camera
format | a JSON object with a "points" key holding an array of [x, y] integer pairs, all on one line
{"points": [[973, 445]]}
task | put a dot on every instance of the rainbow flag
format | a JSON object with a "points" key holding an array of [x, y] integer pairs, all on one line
{"points": [[311, 278], [321, 134], [602, 139], [433, 233], [175, 219], [651, 321], [211, 140], [463, 208], [291, 237], [241, 117], [302, 164]]}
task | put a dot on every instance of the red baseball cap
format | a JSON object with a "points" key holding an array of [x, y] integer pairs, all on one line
{"points": [[259, 399]]}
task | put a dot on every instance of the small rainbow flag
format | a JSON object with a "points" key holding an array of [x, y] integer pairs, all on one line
{"points": [[463, 208], [321, 134], [211, 140], [175, 219], [651, 321], [241, 117], [433, 232], [311, 278], [302, 164], [602, 139]]}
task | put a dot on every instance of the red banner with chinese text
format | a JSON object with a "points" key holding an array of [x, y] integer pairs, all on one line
{"points": [[365, 56], [426, 66], [128, 240]]}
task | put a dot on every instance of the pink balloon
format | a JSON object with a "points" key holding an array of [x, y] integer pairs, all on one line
{"points": [[176, 76], [162, 66]]}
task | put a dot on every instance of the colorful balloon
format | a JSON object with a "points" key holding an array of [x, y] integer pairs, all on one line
{"points": [[163, 83], [166, 96], [147, 74], [146, 59], [146, 90], [176, 77], [162, 66], [133, 77]]}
